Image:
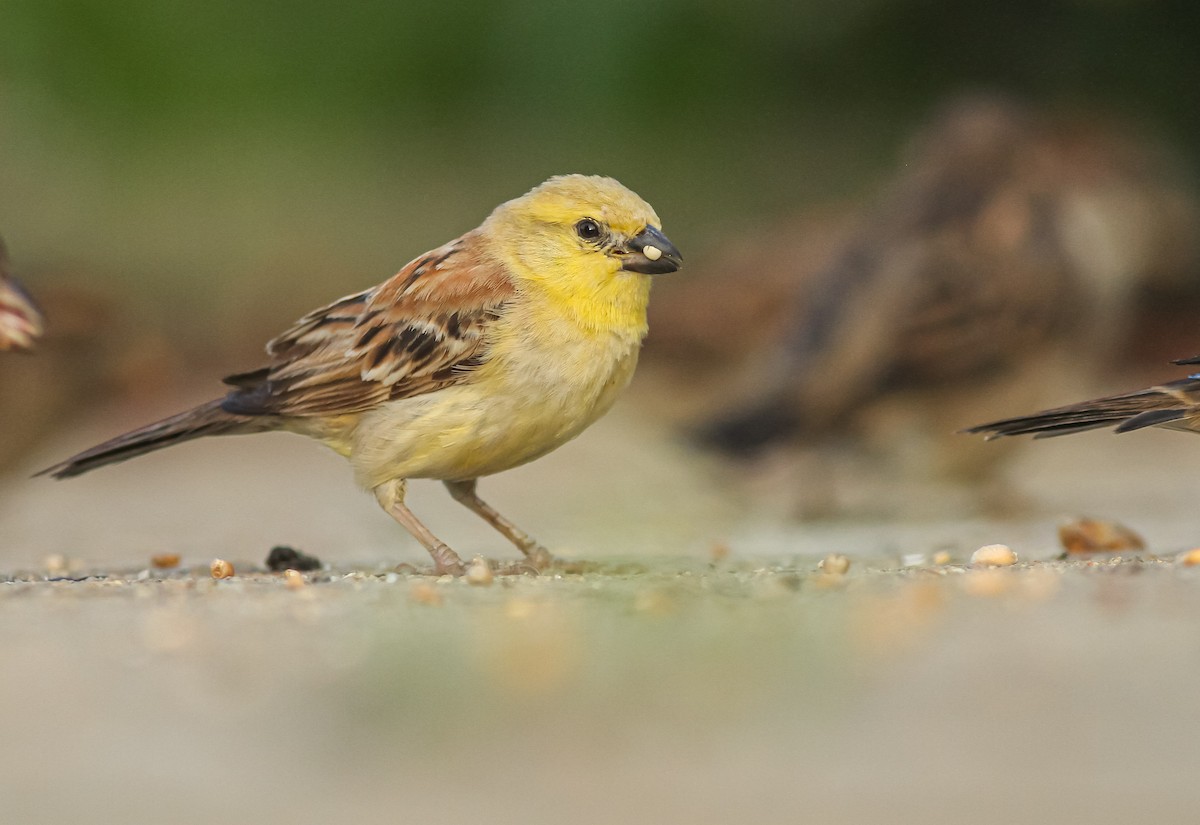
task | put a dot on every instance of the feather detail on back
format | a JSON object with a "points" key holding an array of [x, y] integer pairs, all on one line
{"points": [[423, 329]]}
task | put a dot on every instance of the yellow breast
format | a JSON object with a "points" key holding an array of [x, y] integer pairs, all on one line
{"points": [[549, 375]]}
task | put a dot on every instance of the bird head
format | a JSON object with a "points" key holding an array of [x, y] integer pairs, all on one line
{"points": [[582, 237]]}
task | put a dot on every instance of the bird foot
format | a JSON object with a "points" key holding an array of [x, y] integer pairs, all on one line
{"points": [[538, 557], [446, 562]]}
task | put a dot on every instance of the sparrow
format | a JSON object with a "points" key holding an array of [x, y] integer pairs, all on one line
{"points": [[20, 321], [956, 272], [478, 356]]}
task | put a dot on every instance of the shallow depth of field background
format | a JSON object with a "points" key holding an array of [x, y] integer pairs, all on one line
{"points": [[180, 181], [233, 164]]}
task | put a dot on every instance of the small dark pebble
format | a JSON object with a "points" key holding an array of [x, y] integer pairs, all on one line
{"points": [[288, 558]]}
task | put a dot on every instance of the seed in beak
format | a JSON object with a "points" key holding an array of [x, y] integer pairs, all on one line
{"points": [[652, 252]]}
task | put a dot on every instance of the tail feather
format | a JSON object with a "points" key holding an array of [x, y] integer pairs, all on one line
{"points": [[207, 419], [1157, 406]]}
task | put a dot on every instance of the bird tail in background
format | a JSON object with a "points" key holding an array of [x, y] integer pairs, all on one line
{"points": [[207, 419], [1170, 405]]}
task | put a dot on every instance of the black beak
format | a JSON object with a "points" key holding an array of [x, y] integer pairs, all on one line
{"points": [[650, 253]]}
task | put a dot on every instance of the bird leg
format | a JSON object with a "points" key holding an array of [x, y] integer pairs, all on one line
{"points": [[464, 493], [390, 496]]}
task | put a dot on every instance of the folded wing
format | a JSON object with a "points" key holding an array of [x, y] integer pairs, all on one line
{"points": [[424, 329]]}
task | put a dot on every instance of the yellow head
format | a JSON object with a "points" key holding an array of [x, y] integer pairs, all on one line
{"points": [[588, 243]]}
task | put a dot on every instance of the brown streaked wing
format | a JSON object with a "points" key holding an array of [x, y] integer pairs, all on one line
{"points": [[421, 330]]}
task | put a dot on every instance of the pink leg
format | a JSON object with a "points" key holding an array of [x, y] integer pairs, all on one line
{"points": [[390, 496], [464, 493]]}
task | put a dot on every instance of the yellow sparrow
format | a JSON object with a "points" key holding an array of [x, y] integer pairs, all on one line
{"points": [[20, 322], [478, 356]]}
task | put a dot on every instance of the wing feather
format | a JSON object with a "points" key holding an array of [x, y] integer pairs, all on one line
{"points": [[423, 329]]}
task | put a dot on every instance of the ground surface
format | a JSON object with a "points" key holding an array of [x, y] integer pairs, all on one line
{"points": [[700, 671]]}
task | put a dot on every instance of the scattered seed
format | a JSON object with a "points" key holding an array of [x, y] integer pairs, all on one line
{"points": [[164, 560], [942, 557], [994, 555], [479, 573], [294, 579], [221, 569], [1189, 558], [55, 564], [834, 564]]}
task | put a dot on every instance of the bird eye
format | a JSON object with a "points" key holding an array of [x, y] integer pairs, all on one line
{"points": [[588, 229]]}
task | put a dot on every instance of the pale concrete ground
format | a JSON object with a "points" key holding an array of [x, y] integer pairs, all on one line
{"points": [[673, 690]]}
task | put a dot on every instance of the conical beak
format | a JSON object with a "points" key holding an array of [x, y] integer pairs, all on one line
{"points": [[650, 253]]}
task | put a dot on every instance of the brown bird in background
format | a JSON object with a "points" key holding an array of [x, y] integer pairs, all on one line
{"points": [[1003, 260], [77, 363], [20, 321]]}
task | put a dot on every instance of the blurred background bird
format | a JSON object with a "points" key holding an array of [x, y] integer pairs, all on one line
{"points": [[75, 362], [1005, 259], [20, 321]]}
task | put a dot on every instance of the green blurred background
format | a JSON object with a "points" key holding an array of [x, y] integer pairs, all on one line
{"points": [[197, 158]]}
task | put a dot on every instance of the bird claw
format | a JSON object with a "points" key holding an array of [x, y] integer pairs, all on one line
{"points": [[539, 557], [446, 562]]}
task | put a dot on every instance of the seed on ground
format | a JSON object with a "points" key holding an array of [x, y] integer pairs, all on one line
{"points": [[479, 573], [994, 555], [835, 564], [1189, 558]]}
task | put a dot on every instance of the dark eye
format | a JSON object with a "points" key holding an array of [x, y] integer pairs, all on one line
{"points": [[588, 229]]}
